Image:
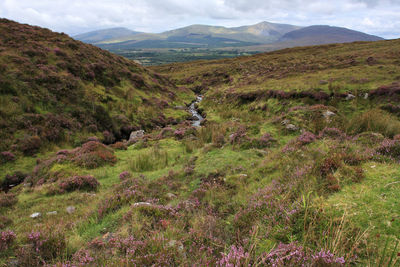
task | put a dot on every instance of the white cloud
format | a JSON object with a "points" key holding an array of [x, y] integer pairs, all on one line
{"points": [[379, 17]]}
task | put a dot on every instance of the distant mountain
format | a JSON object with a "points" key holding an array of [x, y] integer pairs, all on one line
{"points": [[322, 34], [200, 36], [99, 36]]}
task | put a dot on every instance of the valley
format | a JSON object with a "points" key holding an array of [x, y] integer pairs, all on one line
{"points": [[285, 158]]}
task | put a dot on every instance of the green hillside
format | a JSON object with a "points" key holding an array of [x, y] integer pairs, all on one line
{"points": [[55, 89]]}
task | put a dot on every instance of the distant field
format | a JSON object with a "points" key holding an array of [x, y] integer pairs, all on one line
{"points": [[153, 57]]}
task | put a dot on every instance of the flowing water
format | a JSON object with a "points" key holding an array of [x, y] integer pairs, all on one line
{"points": [[195, 113]]}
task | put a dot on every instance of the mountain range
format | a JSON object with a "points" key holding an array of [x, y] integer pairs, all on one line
{"points": [[203, 36]]}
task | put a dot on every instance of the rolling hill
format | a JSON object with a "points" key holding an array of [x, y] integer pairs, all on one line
{"points": [[214, 42], [55, 89], [323, 34], [199, 36], [99, 36]]}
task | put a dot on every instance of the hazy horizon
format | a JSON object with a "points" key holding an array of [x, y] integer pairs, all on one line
{"points": [[74, 17]]}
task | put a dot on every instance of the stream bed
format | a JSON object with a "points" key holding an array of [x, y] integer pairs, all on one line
{"points": [[195, 113]]}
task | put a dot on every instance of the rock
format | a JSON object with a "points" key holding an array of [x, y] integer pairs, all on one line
{"points": [[285, 122], [174, 243], [171, 196], [327, 114], [323, 82], [70, 209], [142, 204], [350, 97], [292, 127], [35, 215], [136, 135], [51, 213], [366, 96], [108, 236]]}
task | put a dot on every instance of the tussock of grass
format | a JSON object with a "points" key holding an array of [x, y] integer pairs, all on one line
{"points": [[374, 120]]}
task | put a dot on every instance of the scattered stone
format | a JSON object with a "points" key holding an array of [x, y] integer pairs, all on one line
{"points": [[142, 204], [70, 209], [285, 122], [323, 82], [174, 243], [350, 97], [171, 196], [35, 215], [108, 236], [136, 135], [51, 213], [327, 114], [292, 127], [366, 96]]}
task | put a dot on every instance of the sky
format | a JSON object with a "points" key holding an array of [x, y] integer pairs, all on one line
{"points": [[378, 17]]}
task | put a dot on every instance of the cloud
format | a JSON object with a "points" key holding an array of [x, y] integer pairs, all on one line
{"points": [[379, 17]]}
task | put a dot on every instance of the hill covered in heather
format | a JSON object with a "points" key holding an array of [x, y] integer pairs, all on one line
{"points": [[54, 89]]}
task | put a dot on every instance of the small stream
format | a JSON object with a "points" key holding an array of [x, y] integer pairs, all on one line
{"points": [[195, 113]]}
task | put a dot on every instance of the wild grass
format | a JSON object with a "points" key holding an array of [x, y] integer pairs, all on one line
{"points": [[374, 120], [150, 160]]}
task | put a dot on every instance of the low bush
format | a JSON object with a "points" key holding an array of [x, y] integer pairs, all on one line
{"points": [[80, 183], [93, 154], [41, 247], [306, 138], [12, 180], [7, 200], [7, 239], [119, 146], [4, 222], [125, 175], [30, 145], [390, 148], [6, 156]]}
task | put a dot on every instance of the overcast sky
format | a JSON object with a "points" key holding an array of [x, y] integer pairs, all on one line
{"points": [[379, 17]]}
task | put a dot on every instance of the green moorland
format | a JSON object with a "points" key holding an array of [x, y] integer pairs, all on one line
{"points": [[295, 165]]}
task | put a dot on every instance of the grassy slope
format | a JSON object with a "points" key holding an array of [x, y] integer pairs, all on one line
{"points": [[59, 89], [253, 191]]}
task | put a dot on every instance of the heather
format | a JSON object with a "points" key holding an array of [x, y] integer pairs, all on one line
{"points": [[286, 170]]}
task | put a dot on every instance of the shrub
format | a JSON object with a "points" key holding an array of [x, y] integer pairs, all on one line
{"points": [[41, 246], [306, 138], [125, 175], [334, 133], [29, 145], [109, 138], [119, 146], [93, 154], [4, 222], [286, 255], [293, 254], [7, 200], [7, 239], [390, 148], [6, 156], [13, 180], [235, 257], [81, 183]]}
